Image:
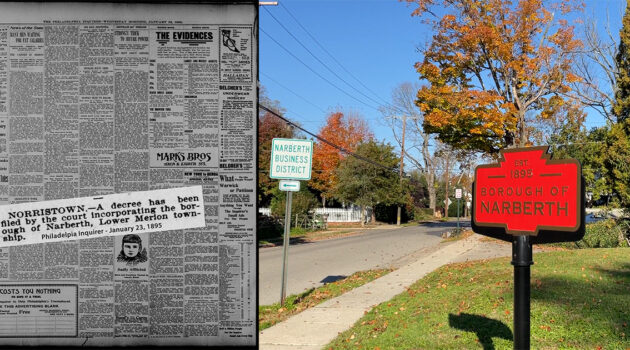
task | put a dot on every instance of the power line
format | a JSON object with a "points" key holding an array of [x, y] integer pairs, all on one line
{"points": [[601, 143], [385, 103], [314, 72], [329, 54], [293, 92], [350, 153], [317, 58]]}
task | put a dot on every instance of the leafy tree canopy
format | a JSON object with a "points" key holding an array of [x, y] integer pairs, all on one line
{"points": [[589, 147], [618, 160], [618, 155], [493, 68], [346, 131], [368, 184], [269, 127], [621, 107], [302, 202]]}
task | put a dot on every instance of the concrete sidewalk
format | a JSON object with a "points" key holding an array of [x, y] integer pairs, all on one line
{"points": [[316, 327]]}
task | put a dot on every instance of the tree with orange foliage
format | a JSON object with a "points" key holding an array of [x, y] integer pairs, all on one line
{"points": [[494, 68], [346, 131], [269, 127]]}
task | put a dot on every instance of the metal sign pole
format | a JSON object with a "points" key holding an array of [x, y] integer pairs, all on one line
{"points": [[291, 161], [458, 215], [285, 246], [522, 259]]}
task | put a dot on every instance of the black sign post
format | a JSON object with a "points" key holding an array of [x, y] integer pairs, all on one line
{"points": [[522, 259]]}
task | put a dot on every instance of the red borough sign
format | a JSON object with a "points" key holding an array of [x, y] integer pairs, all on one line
{"points": [[528, 193]]}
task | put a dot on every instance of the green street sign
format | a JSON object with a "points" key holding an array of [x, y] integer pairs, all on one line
{"points": [[289, 185], [291, 159]]}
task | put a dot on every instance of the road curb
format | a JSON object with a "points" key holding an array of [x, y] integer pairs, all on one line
{"points": [[277, 242]]}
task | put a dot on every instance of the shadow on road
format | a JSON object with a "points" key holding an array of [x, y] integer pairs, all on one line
{"points": [[298, 240], [331, 279], [278, 242], [485, 328], [446, 224]]}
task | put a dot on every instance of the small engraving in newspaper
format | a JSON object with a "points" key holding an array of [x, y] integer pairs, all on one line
{"points": [[108, 215]]}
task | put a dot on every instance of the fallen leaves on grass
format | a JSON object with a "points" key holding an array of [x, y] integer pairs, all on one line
{"points": [[557, 274], [272, 314]]}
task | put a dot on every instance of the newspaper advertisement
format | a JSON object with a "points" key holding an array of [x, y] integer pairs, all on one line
{"points": [[128, 174]]}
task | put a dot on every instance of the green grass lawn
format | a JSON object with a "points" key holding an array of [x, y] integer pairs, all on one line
{"points": [[580, 299], [268, 315]]}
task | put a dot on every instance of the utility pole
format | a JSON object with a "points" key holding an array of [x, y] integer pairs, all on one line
{"points": [[446, 195], [402, 157]]}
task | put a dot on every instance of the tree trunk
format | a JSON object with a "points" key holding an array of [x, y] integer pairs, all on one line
{"points": [[432, 198], [509, 139], [362, 216], [432, 191], [521, 129], [373, 216], [323, 201]]}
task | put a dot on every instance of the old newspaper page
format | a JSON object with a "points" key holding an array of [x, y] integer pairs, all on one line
{"points": [[103, 99]]}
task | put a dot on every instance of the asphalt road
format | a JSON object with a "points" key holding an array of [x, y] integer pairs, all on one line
{"points": [[313, 264]]}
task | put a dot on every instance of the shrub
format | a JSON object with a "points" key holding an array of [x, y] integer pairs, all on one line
{"points": [[389, 213], [269, 227], [624, 225], [452, 209], [421, 214], [603, 234], [303, 201]]}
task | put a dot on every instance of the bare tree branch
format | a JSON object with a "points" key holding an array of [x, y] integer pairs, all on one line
{"points": [[597, 58], [403, 107]]}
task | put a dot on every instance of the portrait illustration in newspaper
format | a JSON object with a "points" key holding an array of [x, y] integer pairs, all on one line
{"points": [[132, 251]]}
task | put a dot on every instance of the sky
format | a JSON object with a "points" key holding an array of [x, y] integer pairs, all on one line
{"points": [[370, 47]]}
